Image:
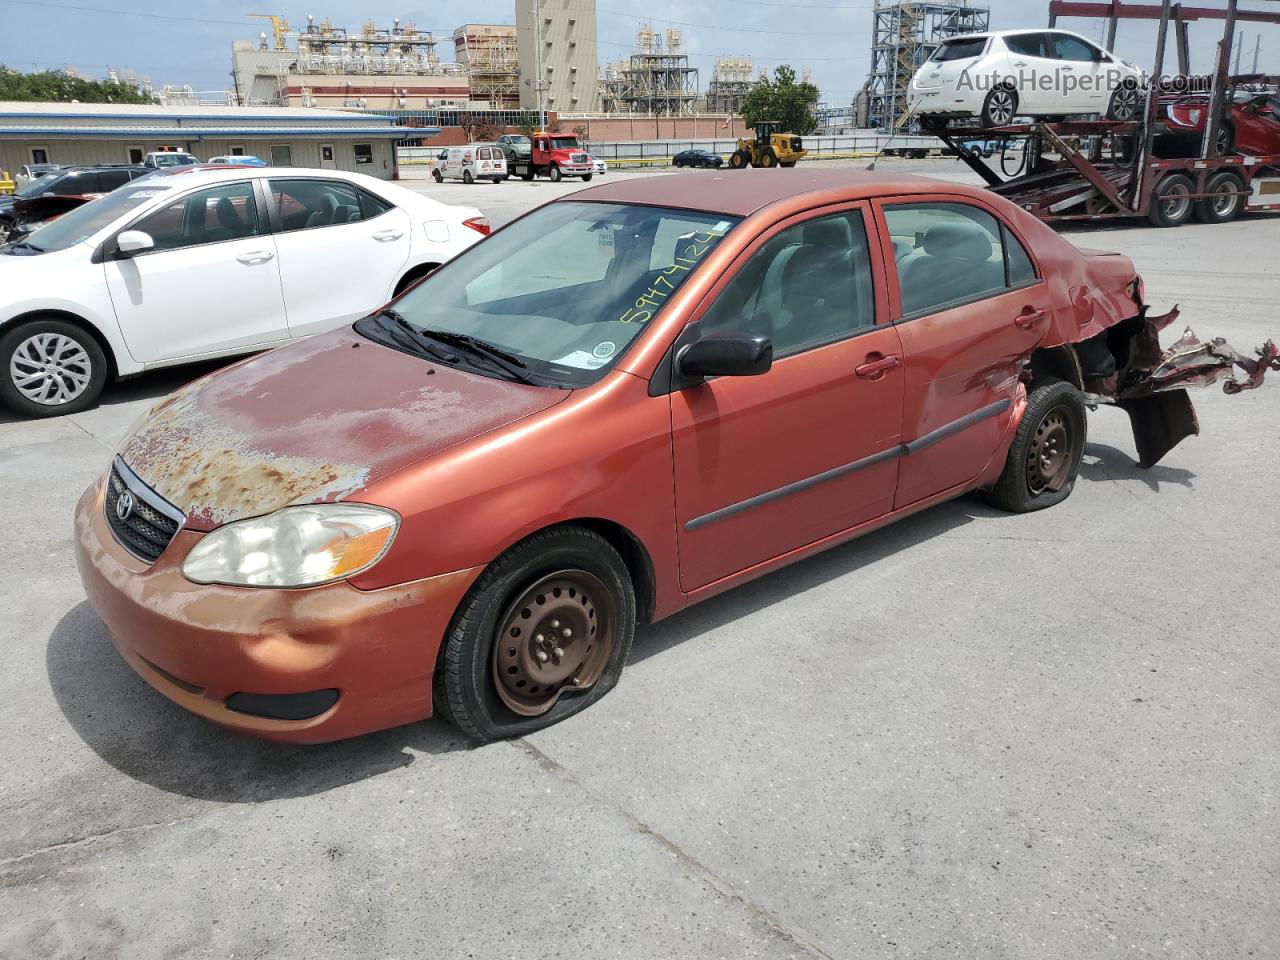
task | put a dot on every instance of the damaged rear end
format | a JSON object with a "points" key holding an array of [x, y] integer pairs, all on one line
{"points": [[1124, 364]]}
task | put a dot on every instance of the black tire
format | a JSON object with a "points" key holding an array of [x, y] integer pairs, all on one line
{"points": [[1000, 107], [677, 163], [1125, 103], [586, 178], [438, 175], [555, 174], [1050, 404], [768, 159], [89, 363], [467, 178], [1171, 205], [787, 164], [527, 175], [466, 685], [739, 160], [1226, 140], [932, 124], [1221, 209]]}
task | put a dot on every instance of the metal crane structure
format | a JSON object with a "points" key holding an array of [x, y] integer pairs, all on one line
{"points": [[904, 35]]}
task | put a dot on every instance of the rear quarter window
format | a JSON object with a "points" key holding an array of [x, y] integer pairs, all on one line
{"points": [[960, 50]]}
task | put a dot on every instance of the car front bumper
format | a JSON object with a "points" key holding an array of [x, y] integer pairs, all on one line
{"points": [[201, 645]]}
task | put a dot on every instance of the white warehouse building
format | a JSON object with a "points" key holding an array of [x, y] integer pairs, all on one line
{"points": [[73, 133]]}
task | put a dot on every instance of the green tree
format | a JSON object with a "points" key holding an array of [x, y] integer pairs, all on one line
{"points": [[781, 98], [527, 122], [53, 85]]}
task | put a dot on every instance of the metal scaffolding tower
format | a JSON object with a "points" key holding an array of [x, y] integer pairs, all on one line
{"points": [[490, 57], [731, 81], [655, 81], [904, 36]]}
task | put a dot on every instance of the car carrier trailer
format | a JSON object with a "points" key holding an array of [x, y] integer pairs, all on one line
{"points": [[1110, 169]]}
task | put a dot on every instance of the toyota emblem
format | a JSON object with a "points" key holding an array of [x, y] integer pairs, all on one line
{"points": [[124, 506]]}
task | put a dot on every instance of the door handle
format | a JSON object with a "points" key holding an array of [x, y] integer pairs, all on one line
{"points": [[256, 257], [1028, 318], [1020, 63], [876, 366], [383, 236]]}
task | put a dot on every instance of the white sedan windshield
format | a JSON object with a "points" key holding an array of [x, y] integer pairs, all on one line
{"points": [[83, 222]]}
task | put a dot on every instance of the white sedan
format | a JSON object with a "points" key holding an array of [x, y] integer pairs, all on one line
{"points": [[205, 264], [1040, 73]]}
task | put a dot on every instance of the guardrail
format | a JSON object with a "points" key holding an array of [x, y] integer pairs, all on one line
{"points": [[7, 185], [654, 153]]}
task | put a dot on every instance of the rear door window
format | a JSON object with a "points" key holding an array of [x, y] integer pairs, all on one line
{"points": [[1029, 45], [1067, 47], [950, 254], [309, 204]]}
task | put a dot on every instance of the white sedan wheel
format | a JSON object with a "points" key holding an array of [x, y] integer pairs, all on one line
{"points": [[50, 369]]}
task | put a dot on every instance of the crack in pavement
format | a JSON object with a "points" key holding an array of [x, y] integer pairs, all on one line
{"points": [[688, 860], [95, 838]]}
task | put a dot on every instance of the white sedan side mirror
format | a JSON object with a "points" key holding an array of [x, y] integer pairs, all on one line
{"points": [[134, 241]]}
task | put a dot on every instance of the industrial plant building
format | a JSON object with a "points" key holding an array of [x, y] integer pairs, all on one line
{"points": [[558, 66]]}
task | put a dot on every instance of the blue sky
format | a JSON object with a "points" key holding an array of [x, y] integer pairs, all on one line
{"points": [[190, 43]]}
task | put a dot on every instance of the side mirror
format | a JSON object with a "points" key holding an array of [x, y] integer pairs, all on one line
{"points": [[134, 241], [726, 356]]}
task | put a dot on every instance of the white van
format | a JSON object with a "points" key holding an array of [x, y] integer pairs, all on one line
{"points": [[475, 161]]}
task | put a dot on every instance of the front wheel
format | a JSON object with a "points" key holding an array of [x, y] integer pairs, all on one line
{"points": [[1044, 459], [1171, 203], [1000, 107], [768, 159], [555, 174], [50, 368], [586, 178], [543, 634], [1125, 104]]}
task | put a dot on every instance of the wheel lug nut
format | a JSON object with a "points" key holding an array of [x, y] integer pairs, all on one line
{"points": [[558, 652], [539, 639], [555, 624], [542, 656], [566, 633]]}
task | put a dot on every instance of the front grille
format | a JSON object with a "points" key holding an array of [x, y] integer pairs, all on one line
{"points": [[149, 524], [578, 158]]}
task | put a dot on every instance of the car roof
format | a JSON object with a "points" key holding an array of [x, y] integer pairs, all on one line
{"points": [[1017, 33], [742, 192]]}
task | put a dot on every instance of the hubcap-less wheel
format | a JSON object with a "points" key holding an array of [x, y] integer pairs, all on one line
{"points": [[1049, 459], [1225, 200], [1175, 205], [50, 369], [558, 634]]}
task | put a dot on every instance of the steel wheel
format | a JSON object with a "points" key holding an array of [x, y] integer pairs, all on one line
{"points": [[50, 369], [1175, 202], [558, 634], [1049, 458]]}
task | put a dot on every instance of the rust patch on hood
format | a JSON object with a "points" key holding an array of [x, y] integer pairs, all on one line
{"points": [[312, 422]]}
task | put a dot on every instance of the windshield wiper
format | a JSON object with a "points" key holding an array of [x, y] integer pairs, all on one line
{"points": [[406, 334], [503, 359]]}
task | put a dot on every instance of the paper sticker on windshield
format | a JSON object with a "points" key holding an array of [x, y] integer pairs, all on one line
{"points": [[582, 360], [144, 194]]}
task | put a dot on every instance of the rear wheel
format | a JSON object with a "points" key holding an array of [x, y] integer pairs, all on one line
{"points": [[438, 175], [1000, 107], [1044, 459], [1171, 204], [50, 368], [1227, 202], [467, 177], [543, 634], [931, 124], [527, 175], [740, 160], [1226, 140]]}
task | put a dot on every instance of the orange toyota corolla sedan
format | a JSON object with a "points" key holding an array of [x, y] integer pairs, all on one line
{"points": [[618, 405]]}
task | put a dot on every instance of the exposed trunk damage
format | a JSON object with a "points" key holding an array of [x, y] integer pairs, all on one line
{"points": [[1126, 366]]}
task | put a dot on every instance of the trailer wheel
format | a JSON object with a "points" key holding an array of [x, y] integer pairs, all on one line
{"points": [[1171, 204], [555, 174], [1225, 207], [1000, 107]]}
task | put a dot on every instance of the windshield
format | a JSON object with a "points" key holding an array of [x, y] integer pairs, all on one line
{"points": [[173, 159], [564, 143], [960, 49], [567, 288], [83, 222], [33, 188]]}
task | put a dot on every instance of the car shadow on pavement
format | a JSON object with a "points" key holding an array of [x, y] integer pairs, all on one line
{"points": [[144, 736], [1108, 465]]}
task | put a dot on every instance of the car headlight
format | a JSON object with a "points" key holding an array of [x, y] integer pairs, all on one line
{"points": [[294, 547]]}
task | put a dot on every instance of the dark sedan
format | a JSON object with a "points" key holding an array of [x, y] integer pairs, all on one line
{"points": [[697, 158]]}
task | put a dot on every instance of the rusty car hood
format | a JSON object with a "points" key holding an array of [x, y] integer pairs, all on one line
{"points": [[314, 421]]}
